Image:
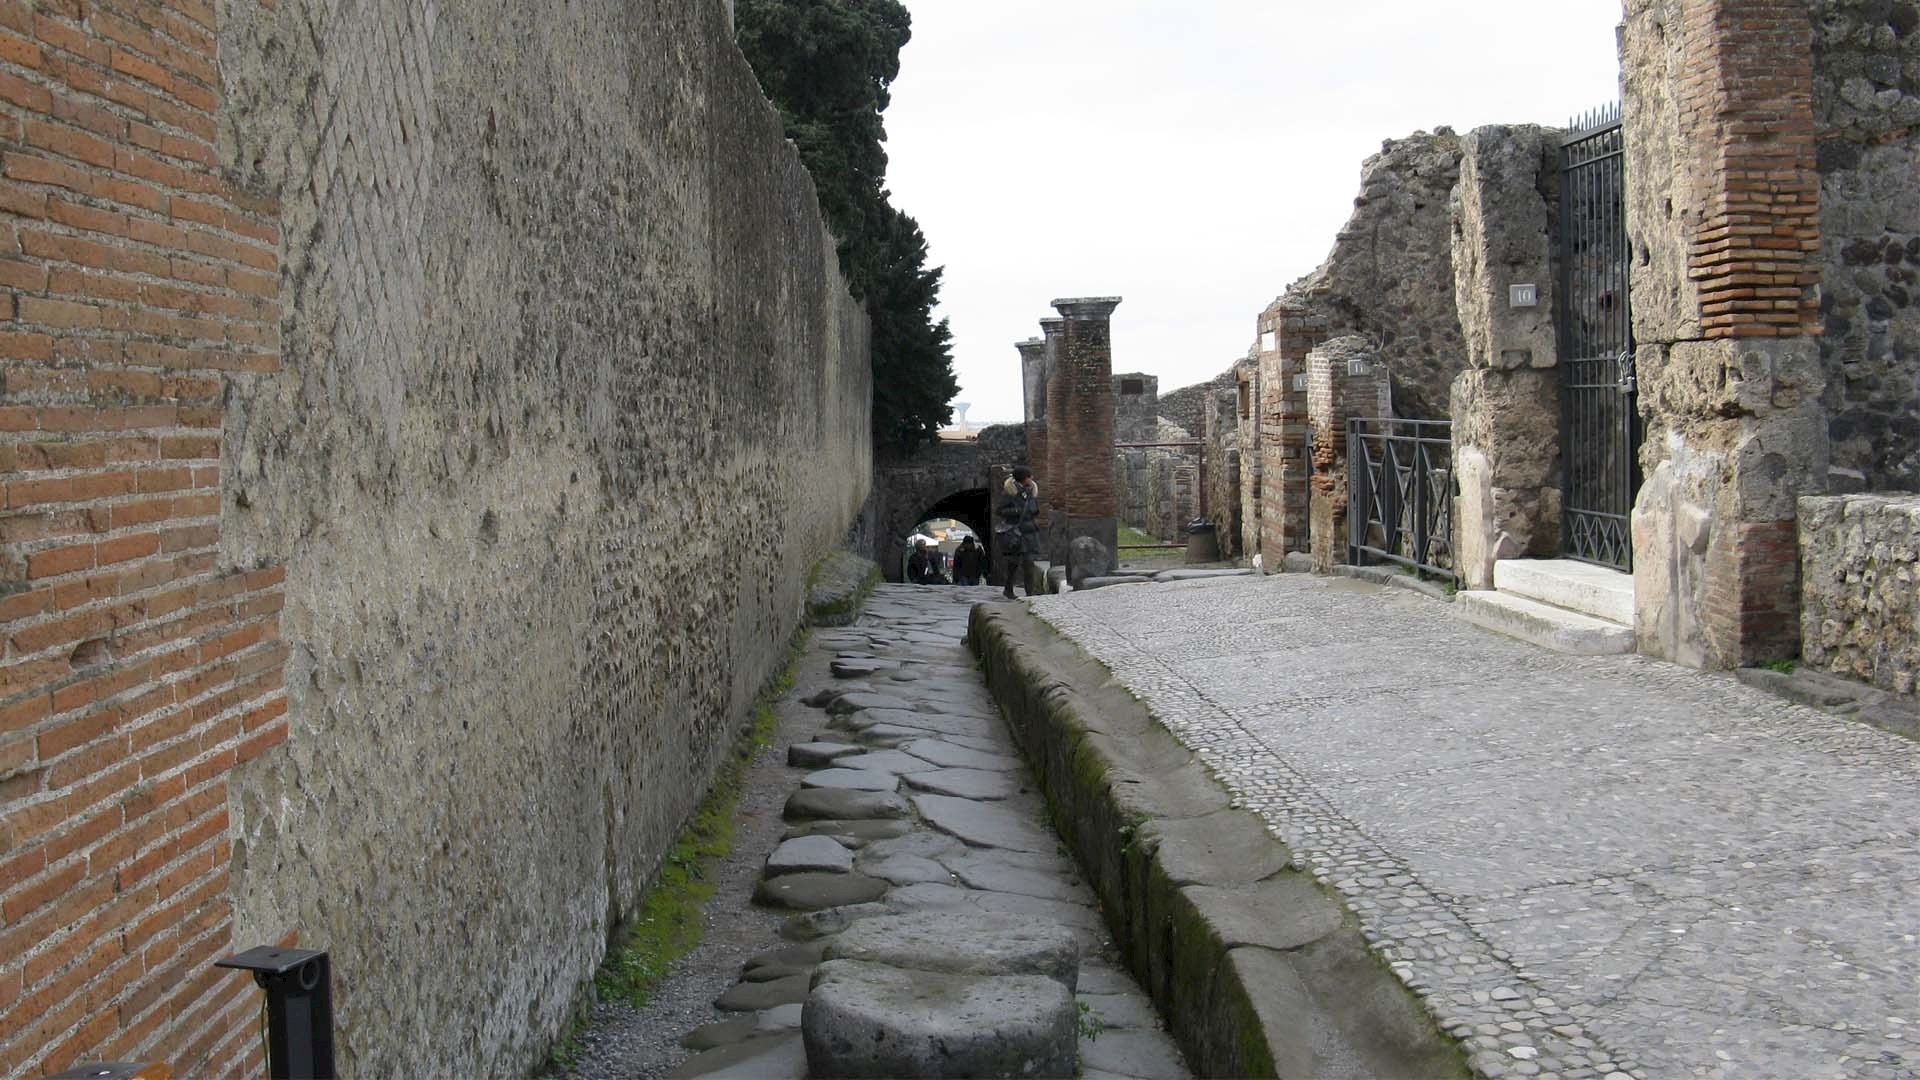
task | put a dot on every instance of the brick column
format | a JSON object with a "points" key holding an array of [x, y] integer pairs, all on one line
{"points": [[1722, 205], [1289, 329], [1053, 518], [1247, 433], [1082, 420], [1343, 380]]}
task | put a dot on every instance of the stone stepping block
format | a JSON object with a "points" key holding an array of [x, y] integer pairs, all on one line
{"points": [[975, 784], [754, 996], [852, 834], [842, 804], [906, 870], [871, 1020], [922, 842], [983, 824], [813, 755], [860, 667], [889, 736], [813, 892], [770, 972], [887, 761], [904, 675], [810, 854], [928, 723], [764, 1057], [827, 695], [787, 955], [851, 780], [785, 1018], [963, 943], [854, 702], [811, 926], [948, 756], [986, 871]]}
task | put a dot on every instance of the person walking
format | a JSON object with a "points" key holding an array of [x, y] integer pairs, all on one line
{"points": [[969, 562], [919, 564], [1018, 529]]}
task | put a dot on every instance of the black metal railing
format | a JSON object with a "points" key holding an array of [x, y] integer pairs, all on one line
{"points": [[1400, 489], [1602, 432]]}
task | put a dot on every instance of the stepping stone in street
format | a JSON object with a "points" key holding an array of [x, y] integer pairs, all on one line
{"points": [[867, 1019], [814, 925], [887, 761], [1064, 912], [983, 824], [906, 870], [964, 783], [964, 943], [814, 755], [812, 892], [904, 675], [889, 736], [851, 780], [922, 842], [763, 1057], [752, 997], [947, 755], [770, 972], [827, 695], [983, 870], [847, 703], [854, 834], [842, 804], [850, 667], [810, 854], [788, 955]]}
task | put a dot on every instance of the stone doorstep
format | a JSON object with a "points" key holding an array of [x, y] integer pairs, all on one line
{"points": [[1568, 583], [1259, 970], [1543, 624]]}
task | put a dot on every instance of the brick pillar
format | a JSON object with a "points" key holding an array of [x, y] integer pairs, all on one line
{"points": [[1053, 516], [1082, 436], [1247, 432], [1289, 330], [1343, 381], [1722, 205]]}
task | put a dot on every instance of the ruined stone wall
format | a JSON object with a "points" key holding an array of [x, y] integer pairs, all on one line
{"points": [[1389, 277], [498, 331], [1221, 492], [1860, 589], [1344, 380], [1136, 407], [1190, 405], [1866, 105]]}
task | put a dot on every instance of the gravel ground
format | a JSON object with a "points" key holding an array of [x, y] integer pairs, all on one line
{"points": [[644, 1044]]}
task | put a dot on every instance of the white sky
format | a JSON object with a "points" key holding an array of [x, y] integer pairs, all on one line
{"points": [[1194, 157]]}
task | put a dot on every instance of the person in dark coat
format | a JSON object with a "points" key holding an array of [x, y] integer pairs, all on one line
{"points": [[969, 563], [1017, 530], [920, 565]]}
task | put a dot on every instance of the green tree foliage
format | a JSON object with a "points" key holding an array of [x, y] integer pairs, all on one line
{"points": [[827, 66]]}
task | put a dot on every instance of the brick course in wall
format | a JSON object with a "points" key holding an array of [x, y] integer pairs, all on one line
{"points": [[1289, 329], [139, 667]]}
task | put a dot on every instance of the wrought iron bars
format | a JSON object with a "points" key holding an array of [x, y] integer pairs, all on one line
{"points": [[1400, 489], [1601, 428]]}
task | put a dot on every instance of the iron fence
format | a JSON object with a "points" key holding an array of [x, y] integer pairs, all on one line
{"points": [[1400, 489]]}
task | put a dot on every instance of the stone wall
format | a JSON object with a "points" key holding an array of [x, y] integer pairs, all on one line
{"points": [[1344, 380], [1136, 407], [1220, 494], [1866, 105], [510, 336], [1189, 405], [1860, 588]]}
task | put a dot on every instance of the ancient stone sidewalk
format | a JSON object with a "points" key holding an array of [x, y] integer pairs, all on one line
{"points": [[916, 864], [1592, 867]]}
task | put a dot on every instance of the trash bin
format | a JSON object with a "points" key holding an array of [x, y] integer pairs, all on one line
{"points": [[1203, 543]]}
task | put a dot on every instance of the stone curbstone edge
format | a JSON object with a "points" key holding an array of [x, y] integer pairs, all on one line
{"points": [[1257, 969]]}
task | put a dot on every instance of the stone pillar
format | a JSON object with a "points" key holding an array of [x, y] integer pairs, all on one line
{"points": [[1247, 408], [1723, 211], [1343, 380], [1289, 330], [1082, 419], [1053, 514], [1506, 405], [1033, 386]]}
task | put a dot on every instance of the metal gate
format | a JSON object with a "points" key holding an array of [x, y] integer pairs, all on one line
{"points": [[1602, 429], [1400, 491]]}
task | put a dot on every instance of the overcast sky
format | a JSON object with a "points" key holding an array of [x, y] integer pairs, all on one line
{"points": [[1192, 156]]}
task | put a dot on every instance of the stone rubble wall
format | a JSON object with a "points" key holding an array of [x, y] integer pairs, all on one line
{"points": [[1866, 104], [1860, 588], [574, 395], [1188, 406], [1222, 495]]}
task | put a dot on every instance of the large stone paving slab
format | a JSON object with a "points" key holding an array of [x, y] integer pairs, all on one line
{"points": [[1586, 866]]}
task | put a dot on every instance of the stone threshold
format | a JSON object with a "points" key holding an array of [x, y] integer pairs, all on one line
{"points": [[1257, 968]]}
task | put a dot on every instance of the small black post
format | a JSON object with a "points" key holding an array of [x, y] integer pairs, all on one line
{"points": [[299, 986]]}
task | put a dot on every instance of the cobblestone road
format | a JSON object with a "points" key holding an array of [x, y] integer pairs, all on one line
{"points": [[1587, 866]]}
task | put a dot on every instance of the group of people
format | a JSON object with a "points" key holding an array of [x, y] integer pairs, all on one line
{"points": [[1016, 533]]}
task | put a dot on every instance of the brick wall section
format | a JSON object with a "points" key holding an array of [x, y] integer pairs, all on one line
{"points": [[138, 670], [1081, 414], [1336, 392], [1748, 113], [1289, 331]]}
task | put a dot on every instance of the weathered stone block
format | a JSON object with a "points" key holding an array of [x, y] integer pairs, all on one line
{"points": [[1861, 588], [870, 1020]]}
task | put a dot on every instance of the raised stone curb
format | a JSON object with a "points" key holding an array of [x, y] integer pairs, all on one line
{"points": [[1259, 971]]}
